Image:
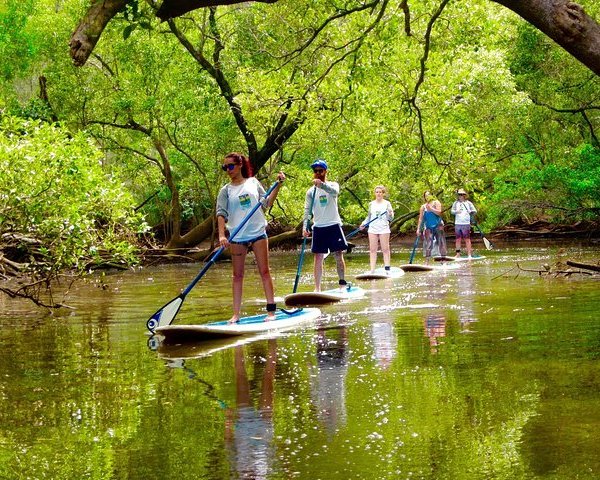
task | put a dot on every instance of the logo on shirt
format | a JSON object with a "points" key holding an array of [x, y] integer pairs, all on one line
{"points": [[323, 199], [244, 200]]}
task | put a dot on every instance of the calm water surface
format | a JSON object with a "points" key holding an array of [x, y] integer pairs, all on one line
{"points": [[482, 371]]}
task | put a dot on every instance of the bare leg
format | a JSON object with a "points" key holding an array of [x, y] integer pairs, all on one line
{"points": [[238, 258], [318, 270], [384, 240], [261, 253], [468, 245], [457, 245], [340, 264], [373, 244]]}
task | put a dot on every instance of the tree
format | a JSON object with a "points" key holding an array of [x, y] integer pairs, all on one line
{"points": [[564, 21]]}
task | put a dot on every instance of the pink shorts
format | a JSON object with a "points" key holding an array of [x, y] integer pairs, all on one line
{"points": [[462, 231]]}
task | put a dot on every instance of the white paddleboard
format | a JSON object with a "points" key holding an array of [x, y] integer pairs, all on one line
{"points": [[245, 326], [416, 267], [459, 259], [380, 273], [321, 298]]}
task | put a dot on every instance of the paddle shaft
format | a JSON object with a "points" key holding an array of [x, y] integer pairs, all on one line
{"points": [[301, 259], [354, 232], [489, 245], [412, 254]]}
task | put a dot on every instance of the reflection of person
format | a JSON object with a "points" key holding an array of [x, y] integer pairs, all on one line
{"points": [[327, 234], [432, 225], [249, 430], [328, 381], [463, 211], [435, 329], [380, 215], [234, 202], [384, 343]]}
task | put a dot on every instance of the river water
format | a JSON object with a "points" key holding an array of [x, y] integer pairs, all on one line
{"points": [[481, 371]]}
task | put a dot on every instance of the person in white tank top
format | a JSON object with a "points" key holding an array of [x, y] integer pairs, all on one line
{"points": [[380, 215]]}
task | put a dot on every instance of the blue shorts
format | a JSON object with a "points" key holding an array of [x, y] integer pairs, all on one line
{"points": [[248, 243], [462, 231], [328, 239]]}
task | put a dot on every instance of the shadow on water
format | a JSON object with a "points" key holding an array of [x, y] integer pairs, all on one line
{"points": [[480, 371]]}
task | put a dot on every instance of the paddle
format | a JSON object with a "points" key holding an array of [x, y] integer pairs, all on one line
{"points": [[412, 254], [301, 259], [489, 245], [354, 232], [166, 314]]}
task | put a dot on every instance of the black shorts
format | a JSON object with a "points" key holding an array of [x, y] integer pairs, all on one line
{"points": [[328, 239]]}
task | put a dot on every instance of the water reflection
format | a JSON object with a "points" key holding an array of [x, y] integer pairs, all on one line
{"points": [[328, 390], [383, 334], [249, 427], [435, 320], [466, 295]]}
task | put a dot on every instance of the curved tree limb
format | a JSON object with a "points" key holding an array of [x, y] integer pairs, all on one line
{"points": [[566, 23]]}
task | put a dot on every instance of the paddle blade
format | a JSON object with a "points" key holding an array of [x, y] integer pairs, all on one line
{"points": [[165, 315], [489, 245]]}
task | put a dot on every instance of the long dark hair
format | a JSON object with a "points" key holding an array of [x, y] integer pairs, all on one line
{"points": [[244, 161]]}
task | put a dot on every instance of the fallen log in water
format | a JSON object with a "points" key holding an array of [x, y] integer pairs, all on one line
{"points": [[586, 266]]}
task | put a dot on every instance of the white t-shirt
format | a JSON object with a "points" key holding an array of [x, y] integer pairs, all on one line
{"points": [[463, 211], [381, 224], [324, 207], [235, 202]]}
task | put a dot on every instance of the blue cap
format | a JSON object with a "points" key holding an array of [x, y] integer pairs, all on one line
{"points": [[319, 163]]}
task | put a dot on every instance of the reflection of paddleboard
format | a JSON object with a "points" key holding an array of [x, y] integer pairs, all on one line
{"points": [[379, 273], [203, 348], [459, 259], [245, 326], [321, 298]]}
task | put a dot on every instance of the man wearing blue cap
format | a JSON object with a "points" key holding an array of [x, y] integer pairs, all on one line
{"points": [[327, 235]]}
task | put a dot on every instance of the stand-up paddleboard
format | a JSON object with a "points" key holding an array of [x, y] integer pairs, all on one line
{"points": [[416, 267], [284, 320], [459, 259], [379, 273], [321, 298]]}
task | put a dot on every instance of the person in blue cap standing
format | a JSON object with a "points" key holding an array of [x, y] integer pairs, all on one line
{"points": [[327, 234]]}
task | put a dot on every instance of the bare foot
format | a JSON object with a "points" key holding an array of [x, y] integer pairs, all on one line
{"points": [[270, 317], [234, 319]]}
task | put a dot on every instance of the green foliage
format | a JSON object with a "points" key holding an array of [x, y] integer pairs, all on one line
{"points": [[54, 189], [564, 191]]}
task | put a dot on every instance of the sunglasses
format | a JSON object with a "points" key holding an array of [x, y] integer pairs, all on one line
{"points": [[318, 170], [228, 166]]}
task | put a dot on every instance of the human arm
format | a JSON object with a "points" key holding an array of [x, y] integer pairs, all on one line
{"points": [[390, 212], [274, 193]]}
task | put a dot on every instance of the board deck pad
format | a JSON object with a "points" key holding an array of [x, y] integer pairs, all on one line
{"points": [[322, 298], [245, 326], [381, 273]]}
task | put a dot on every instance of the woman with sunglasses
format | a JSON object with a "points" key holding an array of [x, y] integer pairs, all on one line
{"points": [[234, 202]]}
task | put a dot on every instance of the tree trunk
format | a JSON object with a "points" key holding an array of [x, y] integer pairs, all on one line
{"points": [[90, 28], [566, 23]]}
